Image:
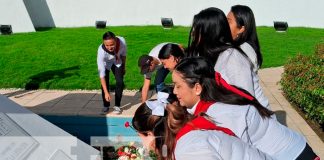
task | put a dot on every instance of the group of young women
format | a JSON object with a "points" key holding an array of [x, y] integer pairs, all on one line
{"points": [[217, 109]]}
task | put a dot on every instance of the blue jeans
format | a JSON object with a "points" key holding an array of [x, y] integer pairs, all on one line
{"points": [[160, 76]]}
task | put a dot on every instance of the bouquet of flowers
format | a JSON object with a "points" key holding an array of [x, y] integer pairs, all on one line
{"points": [[130, 152]]}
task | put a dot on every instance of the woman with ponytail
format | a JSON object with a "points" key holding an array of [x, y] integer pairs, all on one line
{"points": [[196, 88], [172, 133]]}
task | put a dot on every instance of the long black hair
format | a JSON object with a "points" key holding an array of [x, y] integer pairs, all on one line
{"points": [[210, 34], [245, 17], [171, 49], [200, 70]]}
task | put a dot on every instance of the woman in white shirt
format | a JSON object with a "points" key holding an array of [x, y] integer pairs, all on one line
{"points": [[172, 133], [196, 88], [162, 59], [210, 37], [243, 30], [111, 56]]}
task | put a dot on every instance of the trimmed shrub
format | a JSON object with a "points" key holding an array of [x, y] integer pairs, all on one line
{"points": [[303, 84]]}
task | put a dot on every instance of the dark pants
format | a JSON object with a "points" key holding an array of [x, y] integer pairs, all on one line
{"points": [[307, 154], [160, 76], [118, 73]]}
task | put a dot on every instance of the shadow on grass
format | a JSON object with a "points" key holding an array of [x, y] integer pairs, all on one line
{"points": [[36, 80]]}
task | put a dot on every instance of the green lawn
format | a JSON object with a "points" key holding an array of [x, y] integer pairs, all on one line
{"points": [[65, 58]]}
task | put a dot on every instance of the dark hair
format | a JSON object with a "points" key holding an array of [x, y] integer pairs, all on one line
{"points": [[143, 121], [177, 117], [210, 34], [164, 128], [108, 35], [245, 17], [171, 49], [200, 70]]}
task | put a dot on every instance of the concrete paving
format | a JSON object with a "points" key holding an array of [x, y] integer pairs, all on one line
{"points": [[89, 103]]}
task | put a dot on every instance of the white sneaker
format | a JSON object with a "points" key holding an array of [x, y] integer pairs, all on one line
{"points": [[116, 110]]}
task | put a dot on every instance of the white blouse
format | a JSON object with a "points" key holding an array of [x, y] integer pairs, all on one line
{"points": [[266, 134], [215, 145], [250, 52], [237, 70], [106, 60]]}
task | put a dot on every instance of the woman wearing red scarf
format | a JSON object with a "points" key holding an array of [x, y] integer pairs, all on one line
{"points": [[196, 88], [172, 133]]}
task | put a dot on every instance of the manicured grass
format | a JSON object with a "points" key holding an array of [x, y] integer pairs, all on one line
{"points": [[65, 58], [278, 47]]}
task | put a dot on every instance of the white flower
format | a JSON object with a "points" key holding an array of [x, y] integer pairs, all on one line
{"points": [[131, 143], [123, 158], [140, 151], [126, 150]]}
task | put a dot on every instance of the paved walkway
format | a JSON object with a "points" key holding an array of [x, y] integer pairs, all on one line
{"points": [[88, 103]]}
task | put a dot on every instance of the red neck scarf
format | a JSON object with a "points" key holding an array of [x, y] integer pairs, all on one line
{"points": [[222, 82], [202, 106], [117, 49], [201, 123]]}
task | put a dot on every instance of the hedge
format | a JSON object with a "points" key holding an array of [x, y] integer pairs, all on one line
{"points": [[303, 84]]}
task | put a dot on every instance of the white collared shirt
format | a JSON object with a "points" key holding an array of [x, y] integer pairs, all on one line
{"points": [[237, 70], [266, 134], [106, 60], [250, 52], [215, 145]]}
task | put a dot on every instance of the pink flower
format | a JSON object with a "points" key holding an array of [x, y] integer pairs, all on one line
{"points": [[120, 153], [127, 124]]}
